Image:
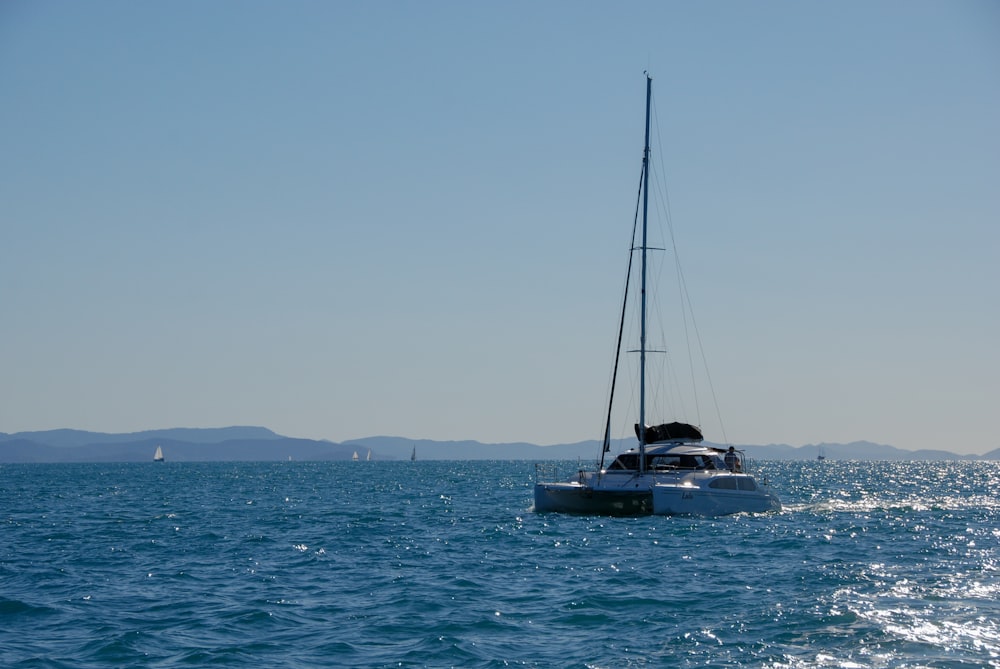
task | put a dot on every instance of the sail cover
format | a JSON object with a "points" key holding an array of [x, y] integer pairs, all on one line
{"points": [[670, 432]]}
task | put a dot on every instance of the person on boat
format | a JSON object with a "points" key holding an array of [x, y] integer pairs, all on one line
{"points": [[733, 460]]}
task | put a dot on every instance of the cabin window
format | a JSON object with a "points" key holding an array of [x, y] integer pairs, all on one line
{"points": [[724, 483], [747, 483], [686, 462], [628, 461], [696, 462], [662, 462]]}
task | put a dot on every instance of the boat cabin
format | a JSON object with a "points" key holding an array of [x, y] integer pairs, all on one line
{"points": [[672, 458]]}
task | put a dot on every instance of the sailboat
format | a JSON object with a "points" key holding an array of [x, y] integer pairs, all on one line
{"points": [[369, 456], [158, 455], [670, 471], [355, 456], [413, 455]]}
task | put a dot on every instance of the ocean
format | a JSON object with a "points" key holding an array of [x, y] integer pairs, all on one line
{"points": [[443, 564]]}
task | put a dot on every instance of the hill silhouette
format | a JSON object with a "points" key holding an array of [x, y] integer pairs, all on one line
{"points": [[242, 443]]}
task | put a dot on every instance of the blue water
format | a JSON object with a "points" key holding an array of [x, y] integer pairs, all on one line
{"points": [[442, 564]]}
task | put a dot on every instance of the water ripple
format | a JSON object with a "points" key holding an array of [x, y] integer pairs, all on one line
{"points": [[428, 564]]}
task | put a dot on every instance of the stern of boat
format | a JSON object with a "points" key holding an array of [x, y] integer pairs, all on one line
{"points": [[587, 493]]}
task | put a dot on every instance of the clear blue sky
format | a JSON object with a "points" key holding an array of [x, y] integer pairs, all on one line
{"points": [[343, 219]]}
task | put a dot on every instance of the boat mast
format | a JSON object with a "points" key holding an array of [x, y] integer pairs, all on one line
{"points": [[642, 328]]}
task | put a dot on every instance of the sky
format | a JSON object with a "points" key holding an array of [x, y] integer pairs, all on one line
{"points": [[349, 219]]}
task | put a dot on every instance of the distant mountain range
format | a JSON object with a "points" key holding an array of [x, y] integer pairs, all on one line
{"points": [[260, 444]]}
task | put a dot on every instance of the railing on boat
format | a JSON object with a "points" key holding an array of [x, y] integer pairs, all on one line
{"points": [[549, 472]]}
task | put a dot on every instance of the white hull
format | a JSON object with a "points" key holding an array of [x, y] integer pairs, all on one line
{"points": [[696, 493], [671, 499]]}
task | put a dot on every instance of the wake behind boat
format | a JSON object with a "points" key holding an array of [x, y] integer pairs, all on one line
{"points": [[670, 471]]}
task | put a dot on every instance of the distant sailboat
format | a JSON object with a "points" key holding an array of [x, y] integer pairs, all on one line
{"points": [[158, 456], [355, 456], [369, 456], [413, 455], [822, 454]]}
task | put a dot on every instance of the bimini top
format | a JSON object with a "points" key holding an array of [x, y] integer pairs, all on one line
{"points": [[676, 432]]}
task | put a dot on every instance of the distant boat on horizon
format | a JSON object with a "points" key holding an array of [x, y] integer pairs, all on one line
{"points": [[369, 456], [413, 455], [158, 455], [822, 454], [355, 457]]}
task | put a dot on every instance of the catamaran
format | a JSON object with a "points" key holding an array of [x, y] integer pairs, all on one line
{"points": [[670, 471]]}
